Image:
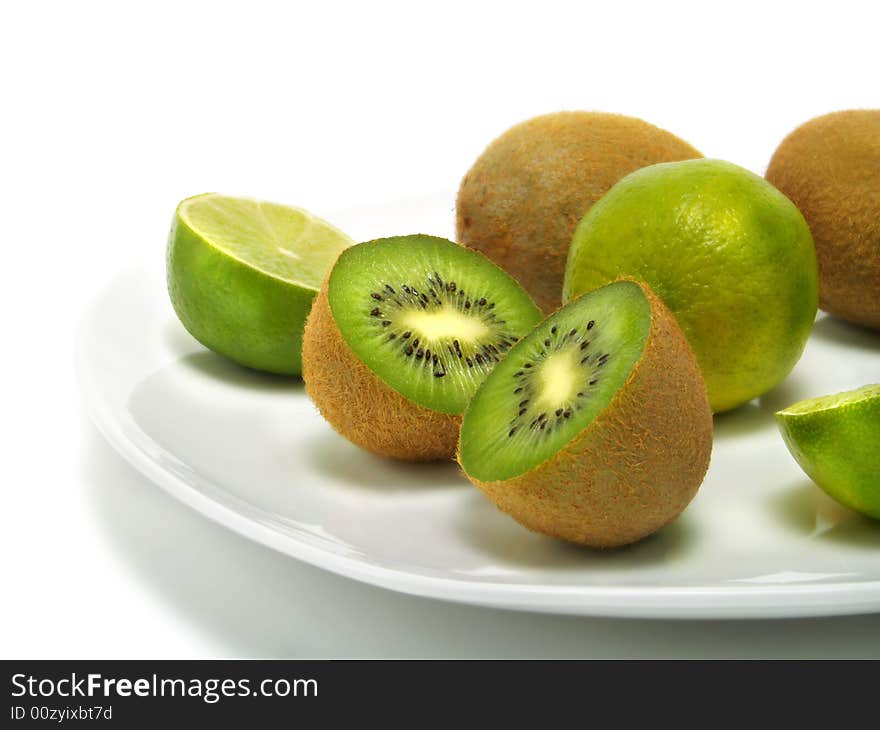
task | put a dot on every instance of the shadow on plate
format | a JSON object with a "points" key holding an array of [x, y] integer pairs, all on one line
{"points": [[502, 539], [838, 332], [788, 392], [807, 510], [745, 420], [219, 368], [350, 466]]}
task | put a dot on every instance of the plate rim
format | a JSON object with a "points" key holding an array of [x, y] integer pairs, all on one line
{"points": [[681, 602]]}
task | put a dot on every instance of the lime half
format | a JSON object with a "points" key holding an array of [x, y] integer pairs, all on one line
{"points": [[242, 275], [836, 441]]}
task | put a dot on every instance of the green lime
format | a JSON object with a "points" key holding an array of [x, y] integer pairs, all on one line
{"points": [[729, 254], [836, 441], [242, 275]]}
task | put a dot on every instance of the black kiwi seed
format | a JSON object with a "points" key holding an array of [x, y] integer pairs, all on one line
{"points": [[558, 412], [377, 297], [553, 330], [567, 413], [527, 365], [386, 322], [450, 286], [406, 335], [470, 363], [392, 336], [585, 344], [420, 353], [522, 411], [408, 350], [518, 374], [518, 390], [374, 312], [591, 324], [482, 301], [546, 343], [388, 287], [524, 403], [511, 432], [592, 382], [572, 333]]}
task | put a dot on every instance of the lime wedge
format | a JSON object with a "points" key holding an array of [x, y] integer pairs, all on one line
{"points": [[242, 275], [835, 440]]}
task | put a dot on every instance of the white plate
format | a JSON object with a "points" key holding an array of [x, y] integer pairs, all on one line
{"points": [[250, 452]]}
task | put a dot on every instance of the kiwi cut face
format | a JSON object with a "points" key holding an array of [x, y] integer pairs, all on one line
{"points": [[429, 317], [554, 383]]}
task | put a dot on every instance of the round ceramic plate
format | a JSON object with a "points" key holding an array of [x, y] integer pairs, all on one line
{"points": [[249, 451]]}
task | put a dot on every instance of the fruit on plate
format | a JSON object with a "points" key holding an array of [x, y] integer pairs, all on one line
{"points": [[836, 441], [402, 332], [728, 253], [596, 427], [521, 200], [242, 275], [830, 168]]}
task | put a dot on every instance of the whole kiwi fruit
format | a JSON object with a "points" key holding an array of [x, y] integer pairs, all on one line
{"points": [[521, 200], [830, 168]]}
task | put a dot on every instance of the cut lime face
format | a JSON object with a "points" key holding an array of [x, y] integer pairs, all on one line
{"points": [[429, 317], [836, 441], [288, 243], [554, 383], [242, 275]]}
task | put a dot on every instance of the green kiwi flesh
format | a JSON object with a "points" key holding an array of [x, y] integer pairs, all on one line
{"points": [[429, 317], [554, 383]]}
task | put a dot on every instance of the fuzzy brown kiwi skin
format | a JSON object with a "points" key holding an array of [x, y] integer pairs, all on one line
{"points": [[522, 199], [830, 169], [359, 405], [636, 466]]}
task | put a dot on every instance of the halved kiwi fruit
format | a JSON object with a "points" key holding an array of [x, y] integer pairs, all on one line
{"points": [[596, 427], [401, 334]]}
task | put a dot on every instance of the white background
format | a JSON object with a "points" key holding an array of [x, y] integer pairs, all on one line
{"points": [[109, 114]]}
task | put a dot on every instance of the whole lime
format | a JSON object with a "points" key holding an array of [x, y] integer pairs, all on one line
{"points": [[728, 253], [835, 440], [242, 275]]}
